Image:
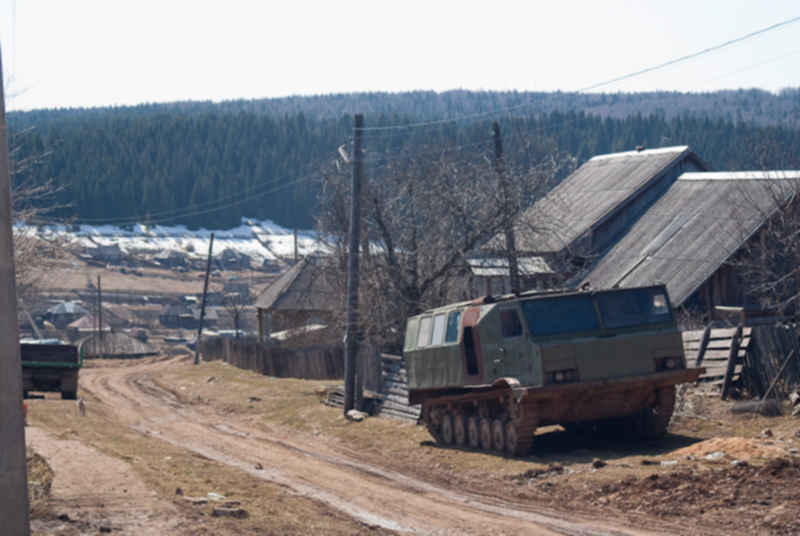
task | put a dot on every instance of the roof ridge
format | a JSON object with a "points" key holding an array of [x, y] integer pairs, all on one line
{"points": [[790, 174], [643, 152]]}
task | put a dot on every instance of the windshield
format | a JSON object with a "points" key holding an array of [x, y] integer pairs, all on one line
{"points": [[634, 307], [560, 314]]}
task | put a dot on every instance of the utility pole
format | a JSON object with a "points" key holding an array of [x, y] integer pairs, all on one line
{"points": [[352, 331], [295, 245], [13, 470], [99, 310], [203, 303], [508, 226]]}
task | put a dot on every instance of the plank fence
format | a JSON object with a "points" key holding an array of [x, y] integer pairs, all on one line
{"points": [[746, 358], [313, 363]]}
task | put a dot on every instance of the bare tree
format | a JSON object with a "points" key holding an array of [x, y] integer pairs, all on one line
{"points": [[35, 252], [236, 303], [769, 261], [422, 218]]}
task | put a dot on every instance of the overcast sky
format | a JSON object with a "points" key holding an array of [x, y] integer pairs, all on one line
{"points": [[59, 53]]}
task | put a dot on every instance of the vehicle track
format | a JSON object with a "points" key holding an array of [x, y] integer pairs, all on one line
{"points": [[370, 494]]}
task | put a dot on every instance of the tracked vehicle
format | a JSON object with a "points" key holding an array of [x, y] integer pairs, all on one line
{"points": [[490, 371]]}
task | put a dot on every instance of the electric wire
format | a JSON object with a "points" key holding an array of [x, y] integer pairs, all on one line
{"points": [[253, 191], [687, 57]]}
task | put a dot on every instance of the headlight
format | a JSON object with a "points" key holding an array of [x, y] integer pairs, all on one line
{"points": [[559, 377]]}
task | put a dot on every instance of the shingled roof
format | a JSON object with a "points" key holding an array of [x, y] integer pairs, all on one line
{"points": [[696, 226], [306, 286], [595, 192]]}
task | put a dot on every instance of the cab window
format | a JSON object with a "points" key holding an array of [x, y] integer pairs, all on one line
{"points": [[634, 307], [425, 328], [560, 314], [510, 324], [453, 323], [438, 329], [411, 334]]}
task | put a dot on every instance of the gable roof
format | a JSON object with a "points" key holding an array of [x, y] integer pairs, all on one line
{"points": [[701, 221], [306, 286], [593, 193]]}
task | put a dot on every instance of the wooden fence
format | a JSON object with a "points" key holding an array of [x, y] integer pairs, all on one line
{"points": [[748, 359], [313, 363]]}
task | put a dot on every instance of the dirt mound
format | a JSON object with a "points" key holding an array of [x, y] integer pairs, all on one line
{"points": [[40, 478], [746, 498], [735, 448]]}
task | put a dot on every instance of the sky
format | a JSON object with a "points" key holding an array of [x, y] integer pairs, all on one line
{"points": [[86, 53]]}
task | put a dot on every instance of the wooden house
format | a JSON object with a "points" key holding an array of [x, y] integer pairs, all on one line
{"points": [[303, 295], [691, 237], [591, 209]]}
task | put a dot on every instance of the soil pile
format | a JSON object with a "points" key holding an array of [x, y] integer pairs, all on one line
{"points": [[745, 498], [735, 448]]}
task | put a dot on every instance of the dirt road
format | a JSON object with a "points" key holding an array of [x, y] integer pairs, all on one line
{"points": [[374, 496], [104, 489]]}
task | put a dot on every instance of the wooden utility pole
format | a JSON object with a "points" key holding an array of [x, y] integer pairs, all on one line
{"points": [[295, 245], [99, 309], [352, 331], [508, 226], [13, 470], [203, 303]]}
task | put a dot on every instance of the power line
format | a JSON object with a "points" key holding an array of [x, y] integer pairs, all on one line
{"points": [[597, 85], [184, 213]]}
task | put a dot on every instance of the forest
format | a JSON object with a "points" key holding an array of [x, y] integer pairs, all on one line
{"points": [[206, 164]]}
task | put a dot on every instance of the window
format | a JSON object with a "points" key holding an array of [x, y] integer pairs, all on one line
{"points": [[510, 324], [634, 307], [560, 314], [424, 338], [438, 329], [411, 334], [453, 323]]}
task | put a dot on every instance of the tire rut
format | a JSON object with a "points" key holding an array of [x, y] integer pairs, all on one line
{"points": [[370, 494]]}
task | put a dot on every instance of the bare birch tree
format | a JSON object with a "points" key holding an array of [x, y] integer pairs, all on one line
{"points": [[422, 217]]}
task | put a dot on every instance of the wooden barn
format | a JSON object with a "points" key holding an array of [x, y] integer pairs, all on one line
{"points": [[693, 237], [590, 210]]}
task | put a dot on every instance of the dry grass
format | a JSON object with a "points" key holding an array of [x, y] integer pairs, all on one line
{"points": [[40, 478]]}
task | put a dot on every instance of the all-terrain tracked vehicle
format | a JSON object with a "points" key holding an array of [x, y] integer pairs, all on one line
{"points": [[490, 371]]}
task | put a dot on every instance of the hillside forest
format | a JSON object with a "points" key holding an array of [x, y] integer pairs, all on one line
{"points": [[206, 164]]}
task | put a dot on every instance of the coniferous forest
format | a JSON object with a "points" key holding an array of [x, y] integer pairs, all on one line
{"points": [[208, 164]]}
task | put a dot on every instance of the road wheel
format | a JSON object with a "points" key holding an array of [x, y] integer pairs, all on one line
{"points": [[447, 429], [473, 432], [511, 438], [498, 436], [485, 428], [459, 429], [653, 421]]}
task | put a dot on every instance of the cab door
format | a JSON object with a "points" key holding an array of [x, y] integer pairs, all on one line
{"points": [[519, 357], [471, 347]]}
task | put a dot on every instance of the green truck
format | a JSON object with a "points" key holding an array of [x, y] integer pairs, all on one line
{"points": [[48, 366], [490, 371]]}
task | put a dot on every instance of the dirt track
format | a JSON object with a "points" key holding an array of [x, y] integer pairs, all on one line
{"points": [[372, 495]]}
